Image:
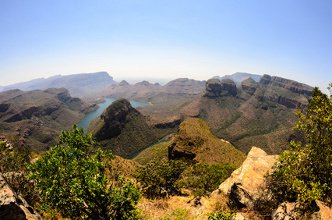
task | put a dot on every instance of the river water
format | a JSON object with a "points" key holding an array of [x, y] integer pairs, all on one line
{"points": [[84, 123]]}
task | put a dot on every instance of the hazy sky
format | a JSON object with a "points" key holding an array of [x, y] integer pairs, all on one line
{"points": [[166, 39]]}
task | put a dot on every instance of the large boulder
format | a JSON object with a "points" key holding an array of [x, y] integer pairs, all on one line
{"points": [[12, 206], [244, 185]]}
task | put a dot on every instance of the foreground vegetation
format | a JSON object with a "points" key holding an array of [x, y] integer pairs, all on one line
{"points": [[76, 179]]}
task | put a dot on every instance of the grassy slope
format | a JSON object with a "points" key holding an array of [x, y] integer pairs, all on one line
{"points": [[155, 152], [194, 135]]}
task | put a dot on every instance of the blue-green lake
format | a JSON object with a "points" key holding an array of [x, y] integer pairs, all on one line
{"points": [[84, 123]]}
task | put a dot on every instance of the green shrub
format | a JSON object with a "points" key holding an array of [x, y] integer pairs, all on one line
{"points": [[202, 179], [303, 174], [158, 178], [71, 179]]}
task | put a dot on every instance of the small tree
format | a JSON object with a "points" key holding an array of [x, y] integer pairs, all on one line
{"points": [[304, 173], [71, 179]]}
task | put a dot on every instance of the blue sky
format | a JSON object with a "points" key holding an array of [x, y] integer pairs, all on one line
{"points": [[166, 39]]}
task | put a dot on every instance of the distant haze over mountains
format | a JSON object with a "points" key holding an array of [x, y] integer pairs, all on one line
{"points": [[239, 77], [79, 85]]}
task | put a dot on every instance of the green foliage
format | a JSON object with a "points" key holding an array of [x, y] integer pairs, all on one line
{"points": [[71, 178], [303, 174], [158, 177], [202, 179], [221, 216]]}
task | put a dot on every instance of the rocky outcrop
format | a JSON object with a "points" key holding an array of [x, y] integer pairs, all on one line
{"points": [[287, 210], [245, 183], [249, 86], [290, 103], [266, 79], [217, 88], [12, 206]]}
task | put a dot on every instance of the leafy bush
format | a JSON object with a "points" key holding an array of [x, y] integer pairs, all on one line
{"points": [[303, 174], [202, 179], [158, 178], [71, 178]]}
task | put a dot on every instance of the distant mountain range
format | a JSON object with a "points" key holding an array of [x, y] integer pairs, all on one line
{"points": [[246, 109], [79, 85], [238, 77]]}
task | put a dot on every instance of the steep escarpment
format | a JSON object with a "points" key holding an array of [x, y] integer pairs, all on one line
{"points": [[217, 88], [124, 130], [35, 118], [254, 113]]}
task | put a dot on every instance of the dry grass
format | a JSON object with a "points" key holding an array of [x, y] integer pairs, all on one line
{"points": [[183, 207], [174, 208]]}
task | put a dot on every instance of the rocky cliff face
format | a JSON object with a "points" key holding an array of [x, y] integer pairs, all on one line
{"points": [[291, 85], [256, 113], [218, 88], [43, 113], [249, 86], [286, 92]]}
